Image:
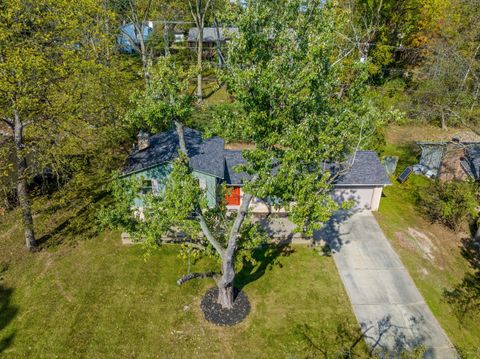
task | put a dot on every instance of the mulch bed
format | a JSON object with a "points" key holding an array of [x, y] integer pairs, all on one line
{"points": [[225, 317]]}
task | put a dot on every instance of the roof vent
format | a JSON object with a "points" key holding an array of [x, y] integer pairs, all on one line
{"points": [[143, 140]]}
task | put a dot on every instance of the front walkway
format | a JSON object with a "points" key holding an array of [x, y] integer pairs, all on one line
{"points": [[386, 302]]}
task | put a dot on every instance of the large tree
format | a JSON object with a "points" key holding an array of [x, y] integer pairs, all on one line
{"points": [[297, 103], [49, 49], [448, 83]]}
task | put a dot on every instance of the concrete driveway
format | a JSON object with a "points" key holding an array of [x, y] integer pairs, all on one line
{"points": [[387, 304]]}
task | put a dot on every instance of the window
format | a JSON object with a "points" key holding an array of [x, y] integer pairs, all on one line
{"points": [[147, 186]]}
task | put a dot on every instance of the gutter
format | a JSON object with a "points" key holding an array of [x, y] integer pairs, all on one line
{"points": [[161, 163]]}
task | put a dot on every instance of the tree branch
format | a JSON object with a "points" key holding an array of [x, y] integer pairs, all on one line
{"points": [[203, 223], [195, 275], [180, 241], [181, 138], [9, 123], [206, 231]]}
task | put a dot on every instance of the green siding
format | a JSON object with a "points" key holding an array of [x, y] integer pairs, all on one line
{"points": [[160, 173], [210, 183]]}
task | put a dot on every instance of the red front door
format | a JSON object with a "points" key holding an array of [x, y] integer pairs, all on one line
{"points": [[233, 196]]}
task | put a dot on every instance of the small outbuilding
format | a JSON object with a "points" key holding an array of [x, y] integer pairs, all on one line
{"points": [[452, 160]]}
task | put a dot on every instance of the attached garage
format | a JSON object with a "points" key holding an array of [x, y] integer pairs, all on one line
{"points": [[363, 182], [364, 197]]}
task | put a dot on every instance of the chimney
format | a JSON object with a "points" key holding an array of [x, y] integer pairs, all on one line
{"points": [[143, 140]]}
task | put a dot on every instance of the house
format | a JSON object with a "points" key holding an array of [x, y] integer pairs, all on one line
{"points": [[212, 37], [214, 165], [129, 37], [452, 160]]}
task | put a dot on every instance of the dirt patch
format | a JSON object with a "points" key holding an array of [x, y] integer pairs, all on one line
{"points": [[423, 242], [239, 146], [420, 242], [435, 244], [407, 134]]}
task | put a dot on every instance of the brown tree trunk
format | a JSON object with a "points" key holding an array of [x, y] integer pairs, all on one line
{"points": [[200, 63], [225, 284], [22, 190]]}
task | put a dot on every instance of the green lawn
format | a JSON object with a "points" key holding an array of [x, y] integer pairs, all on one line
{"points": [[97, 298], [431, 252]]}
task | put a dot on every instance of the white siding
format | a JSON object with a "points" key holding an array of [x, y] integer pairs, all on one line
{"points": [[365, 198]]}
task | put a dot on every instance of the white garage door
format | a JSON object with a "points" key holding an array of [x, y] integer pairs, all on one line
{"points": [[365, 198]]}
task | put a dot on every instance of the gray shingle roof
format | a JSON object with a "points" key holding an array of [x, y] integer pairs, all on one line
{"points": [[365, 170], [232, 159], [210, 33], [209, 156], [472, 153], [206, 155]]}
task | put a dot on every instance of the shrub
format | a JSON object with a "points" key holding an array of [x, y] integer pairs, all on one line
{"points": [[449, 203]]}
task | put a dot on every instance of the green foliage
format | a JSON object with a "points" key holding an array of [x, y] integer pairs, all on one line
{"points": [[448, 86], [167, 98], [57, 73], [297, 101], [449, 203], [160, 214]]}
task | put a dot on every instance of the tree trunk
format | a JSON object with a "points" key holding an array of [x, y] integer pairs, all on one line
{"points": [[225, 284], [144, 56], [166, 41], [200, 62], [444, 124], [181, 138], [22, 190]]}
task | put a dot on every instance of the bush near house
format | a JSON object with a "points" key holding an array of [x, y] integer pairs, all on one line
{"points": [[450, 203]]}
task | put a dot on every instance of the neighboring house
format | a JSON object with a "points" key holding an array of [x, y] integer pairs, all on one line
{"points": [[214, 165], [129, 37], [178, 36], [212, 37], [453, 160]]}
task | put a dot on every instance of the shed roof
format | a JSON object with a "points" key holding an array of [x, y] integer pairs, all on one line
{"points": [[210, 33], [440, 157], [473, 159], [206, 155]]}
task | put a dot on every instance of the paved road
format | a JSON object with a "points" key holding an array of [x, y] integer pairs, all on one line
{"points": [[385, 300]]}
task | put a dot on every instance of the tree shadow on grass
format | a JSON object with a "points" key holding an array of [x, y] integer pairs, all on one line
{"points": [[345, 341], [263, 259], [465, 296], [82, 223], [7, 313]]}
